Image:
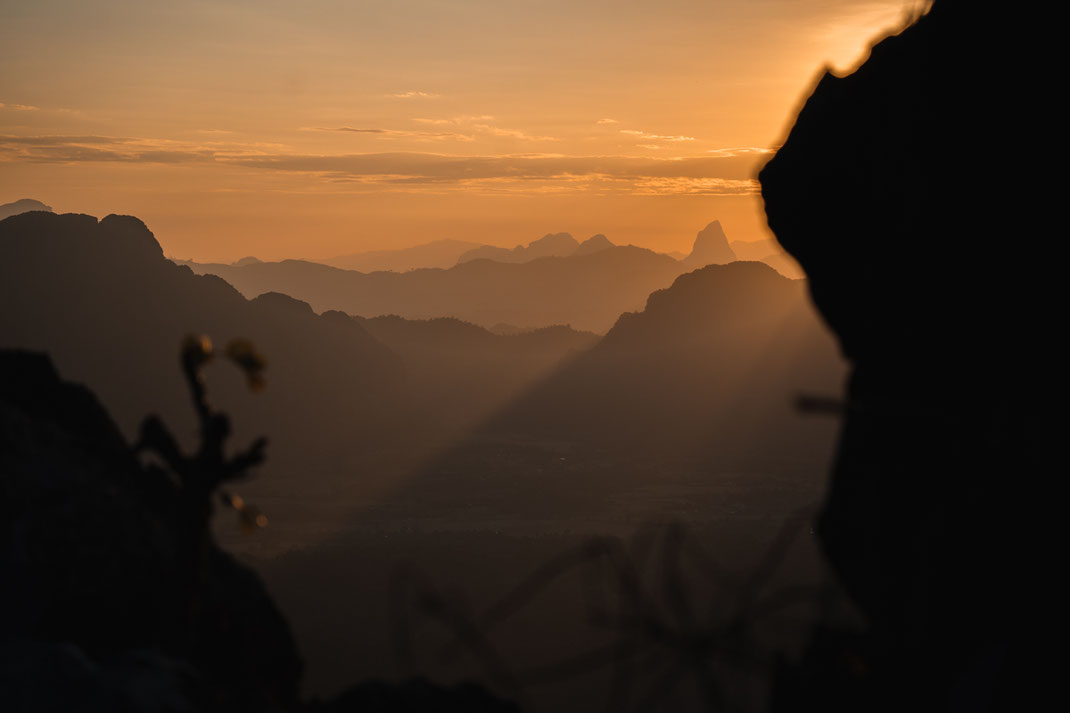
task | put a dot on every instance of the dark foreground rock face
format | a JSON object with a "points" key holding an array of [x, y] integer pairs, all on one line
{"points": [[934, 520], [92, 601], [88, 549]]}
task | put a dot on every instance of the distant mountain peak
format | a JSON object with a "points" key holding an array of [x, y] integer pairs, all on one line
{"points": [[549, 245], [22, 205], [441, 253], [280, 302], [593, 244], [711, 247]]}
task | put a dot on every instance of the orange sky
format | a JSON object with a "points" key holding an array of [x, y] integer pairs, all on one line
{"points": [[312, 129]]}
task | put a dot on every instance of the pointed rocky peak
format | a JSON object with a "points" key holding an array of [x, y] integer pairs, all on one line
{"points": [[711, 247]]}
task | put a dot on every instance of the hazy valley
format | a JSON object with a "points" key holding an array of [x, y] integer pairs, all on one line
{"points": [[456, 444]]}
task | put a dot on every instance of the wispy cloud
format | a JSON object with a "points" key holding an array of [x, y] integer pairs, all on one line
{"points": [[655, 137], [743, 151], [118, 149], [457, 120], [607, 121], [414, 95], [511, 133], [730, 172], [19, 107], [482, 124], [706, 175], [397, 133]]}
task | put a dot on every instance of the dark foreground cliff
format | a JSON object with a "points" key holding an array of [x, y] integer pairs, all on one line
{"points": [[935, 518], [95, 597]]}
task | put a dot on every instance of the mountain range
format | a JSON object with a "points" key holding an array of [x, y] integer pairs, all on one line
{"points": [[102, 300], [700, 383], [549, 245], [591, 285], [437, 253], [448, 252], [111, 310], [701, 378]]}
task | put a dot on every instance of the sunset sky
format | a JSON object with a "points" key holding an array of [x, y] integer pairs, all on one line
{"points": [[324, 127]]}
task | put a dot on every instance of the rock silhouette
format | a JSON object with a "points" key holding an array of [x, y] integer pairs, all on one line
{"points": [[711, 247], [928, 520]]}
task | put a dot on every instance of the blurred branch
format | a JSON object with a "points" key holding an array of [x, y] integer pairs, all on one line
{"points": [[650, 621], [201, 474]]}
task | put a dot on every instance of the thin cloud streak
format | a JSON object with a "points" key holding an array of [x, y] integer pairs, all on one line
{"points": [[655, 137], [397, 133], [729, 173], [415, 95]]}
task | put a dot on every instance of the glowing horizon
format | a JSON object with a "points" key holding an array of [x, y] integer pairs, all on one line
{"points": [[261, 128]]}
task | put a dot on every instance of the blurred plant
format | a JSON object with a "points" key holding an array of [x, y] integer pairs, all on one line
{"points": [[661, 634], [202, 473]]}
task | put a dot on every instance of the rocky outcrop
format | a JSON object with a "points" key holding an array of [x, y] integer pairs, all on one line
{"points": [[89, 544], [711, 247], [931, 520], [92, 582]]}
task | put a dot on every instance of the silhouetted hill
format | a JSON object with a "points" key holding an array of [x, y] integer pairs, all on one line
{"points": [[549, 245], [457, 372], [711, 364], [593, 244], [711, 247], [784, 263], [103, 301], [587, 292], [753, 250], [703, 381], [438, 253], [23, 205]]}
